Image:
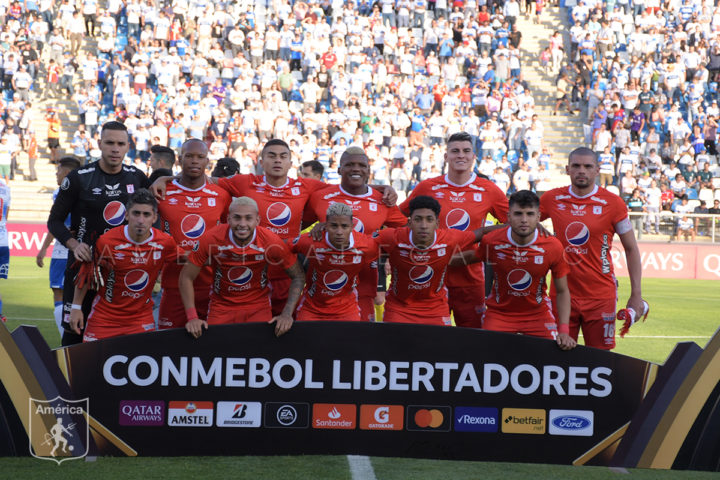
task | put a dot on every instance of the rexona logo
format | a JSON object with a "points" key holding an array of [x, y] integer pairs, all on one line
{"points": [[381, 417], [334, 416], [429, 418], [476, 419], [523, 420], [190, 414], [287, 415], [142, 413], [576, 423], [239, 414]]}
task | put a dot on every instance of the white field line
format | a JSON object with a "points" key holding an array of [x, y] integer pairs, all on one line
{"points": [[361, 468]]}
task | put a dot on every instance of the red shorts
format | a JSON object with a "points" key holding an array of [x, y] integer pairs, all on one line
{"points": [[172, 311], [279, 288], [467, 305], [307, 315], [97, 329], [367, 308], [596, 317], [392, 315], [543, 327], [221, 315]]}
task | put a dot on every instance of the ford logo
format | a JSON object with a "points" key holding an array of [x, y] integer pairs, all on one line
{"points": [[571, 422]]}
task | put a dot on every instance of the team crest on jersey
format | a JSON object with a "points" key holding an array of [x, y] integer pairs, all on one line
{"points": [[357, 259], [597, 210], [458, 219], [421, 274], [441, 252], [519, 279], [114, 213], [477, 197], [373, 207], [278, 214], [157, 255], [295, 191], [539, 260], [211, 202], [130, 188]]}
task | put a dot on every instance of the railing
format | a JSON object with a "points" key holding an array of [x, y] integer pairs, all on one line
{"points": [[707, 226]]}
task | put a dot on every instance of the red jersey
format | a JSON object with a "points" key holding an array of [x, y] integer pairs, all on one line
{"points": [[188, 214], [369, 215], [331, 279], [130, 274], [463, 207], [240, 273], [585, 226], [418, 275], [519, 289]]}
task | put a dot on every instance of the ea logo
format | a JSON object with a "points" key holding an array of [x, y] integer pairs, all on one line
{"points": [[577, 234], [458, 219], [114, 213], [358, 225], [278, 214], [136, 280], [421, 274], [239, 275], [192, 226], [519, 279], [335, 279]]}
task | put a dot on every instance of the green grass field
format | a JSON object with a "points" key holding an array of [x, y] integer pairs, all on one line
{"points": [[680, 311]]}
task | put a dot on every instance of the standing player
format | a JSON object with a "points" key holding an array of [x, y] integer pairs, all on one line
{"points": [[281, 201], [240, 254], [58, 261], [466, 200], [369, 215], [127, 261], [521, 259], [95, 198], [419, 257], [585, 218], [190, 209], [335, 265], [4, 245]]}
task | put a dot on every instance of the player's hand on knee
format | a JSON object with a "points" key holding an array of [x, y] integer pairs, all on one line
{"points": [[195, 327], [565, 341]]}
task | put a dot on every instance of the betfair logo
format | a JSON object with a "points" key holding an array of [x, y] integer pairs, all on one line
{"points": [[523, 420]]}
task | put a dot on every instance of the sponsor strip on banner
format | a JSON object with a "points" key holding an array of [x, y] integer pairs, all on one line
{"points": [[190, 414], [239, 414], [576, 423], [523, 420]]}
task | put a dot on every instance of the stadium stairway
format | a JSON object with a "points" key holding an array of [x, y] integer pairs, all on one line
{"points": [[564, 132]]}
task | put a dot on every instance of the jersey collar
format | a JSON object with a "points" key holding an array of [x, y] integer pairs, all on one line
{"points": [[177, 184], [472, 179], [127, 236], [594, 191], [362, 195], [510, 239], [287, 182], [232, 239], [350, 245], [413, 243]]}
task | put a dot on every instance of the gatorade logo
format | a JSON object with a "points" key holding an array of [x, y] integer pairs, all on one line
{"points": [[577, 234], [114, 213], [278, 214], [519, 279], [421, 274], [381, 417], [192, 226], [239, 275], [136, 280], [458, 219], [335, 280]]}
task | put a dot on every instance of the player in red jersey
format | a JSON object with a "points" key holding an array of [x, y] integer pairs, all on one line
{"points": [[335, 265], [281, 202], [521, 258], [585, 218], [129, 259], [466, 200], [369, 214], [240, 253], [191, 207], [419, 257]]}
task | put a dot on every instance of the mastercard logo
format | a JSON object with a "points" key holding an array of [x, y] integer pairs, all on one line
{"points": [[429, 418]]}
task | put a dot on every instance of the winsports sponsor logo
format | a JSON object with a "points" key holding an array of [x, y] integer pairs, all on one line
{"points": [[476, 419], [578, 423], [523, 420]]}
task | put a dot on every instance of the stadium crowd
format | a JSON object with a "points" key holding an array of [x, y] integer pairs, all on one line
{"points": [[397, 77], [647, 71]]}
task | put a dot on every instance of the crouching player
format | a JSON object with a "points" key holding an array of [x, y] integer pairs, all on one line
{"points": [[521, 259], [240, 253], [126, 262], [334, 266], [419, 255]]}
